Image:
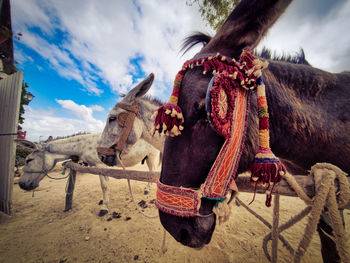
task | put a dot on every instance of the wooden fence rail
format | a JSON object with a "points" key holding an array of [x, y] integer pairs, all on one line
{"points": [[243, 181]]}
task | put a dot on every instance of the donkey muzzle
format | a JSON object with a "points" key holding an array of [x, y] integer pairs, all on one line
{"points": [[107, 155]]}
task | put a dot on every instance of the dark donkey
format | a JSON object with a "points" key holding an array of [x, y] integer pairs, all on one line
{"points": [[309, 120]]}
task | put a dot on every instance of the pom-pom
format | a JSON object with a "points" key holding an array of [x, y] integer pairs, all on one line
{"points": [[168, 119]]}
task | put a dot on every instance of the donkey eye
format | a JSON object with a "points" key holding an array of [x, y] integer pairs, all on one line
{"points": [[29, 160], [199, 110], [111, 119]]}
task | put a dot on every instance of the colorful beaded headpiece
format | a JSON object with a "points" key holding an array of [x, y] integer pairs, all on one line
{"points": [[230, 91]]}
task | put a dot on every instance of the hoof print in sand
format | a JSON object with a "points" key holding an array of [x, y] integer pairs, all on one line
{"points": [[102, 213], [142, 204], [116, 215]]}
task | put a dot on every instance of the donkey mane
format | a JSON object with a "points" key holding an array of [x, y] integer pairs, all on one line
{"points": [[153, 100], [68, 136], [201, 38], [298, 58], [194, 39]]}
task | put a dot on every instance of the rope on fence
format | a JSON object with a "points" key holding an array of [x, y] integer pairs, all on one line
{"points": [[6, 134], [327, 196]]}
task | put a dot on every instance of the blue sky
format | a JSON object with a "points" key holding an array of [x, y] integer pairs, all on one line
{"points": [[79, 55]]}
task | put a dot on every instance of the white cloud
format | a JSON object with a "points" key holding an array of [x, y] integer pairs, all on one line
{"points": [[40, 124], [44, 123], [22, 58], [97, 108], [31, 13], [100, 37], [323, 39], [107, 35], [81, 111], [60, 60]]}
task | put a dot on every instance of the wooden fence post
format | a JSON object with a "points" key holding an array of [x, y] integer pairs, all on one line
{"points": [[10, 96], [70, 189]]}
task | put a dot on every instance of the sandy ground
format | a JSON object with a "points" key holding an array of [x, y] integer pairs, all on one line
{"points": [[39, 230]]}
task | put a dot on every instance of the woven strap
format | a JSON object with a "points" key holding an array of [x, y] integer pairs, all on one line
{"points": [[225, 166], [179, 201]]}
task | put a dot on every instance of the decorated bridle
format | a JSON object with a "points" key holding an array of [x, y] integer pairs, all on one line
{"points": [[227, 104], [126, 120]]}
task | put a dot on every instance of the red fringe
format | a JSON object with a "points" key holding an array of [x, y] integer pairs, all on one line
{"points": [[248, 58], [267, 172]]}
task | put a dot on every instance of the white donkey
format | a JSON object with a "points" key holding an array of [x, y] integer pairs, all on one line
{"points": [[116, 132], [83, 148]]}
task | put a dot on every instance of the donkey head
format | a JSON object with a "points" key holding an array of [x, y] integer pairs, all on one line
{"points": [[34, 170], [35, 166], [189, 157], [124, 126]]}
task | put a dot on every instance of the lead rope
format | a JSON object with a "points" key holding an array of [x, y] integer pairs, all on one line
{"points": [[164, 246], [130, 191], [46, 172], [60, 178]]}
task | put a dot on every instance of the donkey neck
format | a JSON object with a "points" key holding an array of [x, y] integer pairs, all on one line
{"points": [[51, 159], [245, 26], [73, 146], [303, 128], [147, 108]]}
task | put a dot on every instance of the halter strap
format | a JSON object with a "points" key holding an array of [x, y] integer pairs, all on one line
{"points": [[132, 112], [43, 166], [126, 120]]}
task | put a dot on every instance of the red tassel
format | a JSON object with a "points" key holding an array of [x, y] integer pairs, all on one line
{"points": [[266, 169], [267, 172], [168, 120]]}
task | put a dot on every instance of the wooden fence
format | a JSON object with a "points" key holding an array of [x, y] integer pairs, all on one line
{"points": [[10, 95], [243, 181]]}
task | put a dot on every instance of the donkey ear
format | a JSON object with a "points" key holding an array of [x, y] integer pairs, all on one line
{"points": [[26, 144], [140, 90], [246, 26]]}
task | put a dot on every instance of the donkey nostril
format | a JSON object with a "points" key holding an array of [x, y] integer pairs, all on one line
{"points": [[184, 236]]}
